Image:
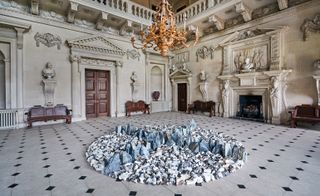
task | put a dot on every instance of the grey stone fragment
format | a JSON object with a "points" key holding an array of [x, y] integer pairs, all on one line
{"points": [[113, 164]]}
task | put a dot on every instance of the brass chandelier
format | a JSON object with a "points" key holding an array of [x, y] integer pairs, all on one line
{"points": [[162, 34]]}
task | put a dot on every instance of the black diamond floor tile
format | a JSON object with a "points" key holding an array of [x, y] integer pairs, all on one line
{"points": [[48, 175], [253, 176], [82, 177], [132, 193], [13, 185], [90, 191], [287, 189], [15, 174], [198, 184], [294, 178], [241, 186], [50, 188]]}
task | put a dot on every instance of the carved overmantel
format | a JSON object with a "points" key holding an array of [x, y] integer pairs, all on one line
{"points": [[262, 47], [94, 52], [252, 65]]}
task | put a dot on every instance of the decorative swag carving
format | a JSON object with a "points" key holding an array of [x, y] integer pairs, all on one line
{"points": [[48, 40], [133, 54], [204, 52]]}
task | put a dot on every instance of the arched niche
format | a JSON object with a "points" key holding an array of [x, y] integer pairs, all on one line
{"points": [[157, 80]]}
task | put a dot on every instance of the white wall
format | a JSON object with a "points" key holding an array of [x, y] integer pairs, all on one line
{"points": [[35, 59], [298, 55]]}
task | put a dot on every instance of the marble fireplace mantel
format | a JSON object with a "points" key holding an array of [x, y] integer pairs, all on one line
{"points": [[271, 85]]}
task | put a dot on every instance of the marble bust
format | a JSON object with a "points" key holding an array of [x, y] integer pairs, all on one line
{"points": [[203, 76], [48, 72], [247, 66]]}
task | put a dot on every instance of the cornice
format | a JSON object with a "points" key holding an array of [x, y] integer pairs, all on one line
{"points": [[12, 23], [13, 15], [260, 21]]}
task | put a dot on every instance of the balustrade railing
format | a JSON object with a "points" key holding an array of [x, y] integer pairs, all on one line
{"points": [[128, 7], [196, 9]]}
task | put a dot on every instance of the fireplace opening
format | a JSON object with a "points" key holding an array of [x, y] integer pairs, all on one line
{"points": [[250, 107]]}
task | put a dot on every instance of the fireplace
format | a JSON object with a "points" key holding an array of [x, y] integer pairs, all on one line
{"points": [[250, 107]]}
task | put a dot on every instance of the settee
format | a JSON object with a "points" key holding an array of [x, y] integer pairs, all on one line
{"points": [[40, 113], [139, 106], [203, 106], [305, 113]]}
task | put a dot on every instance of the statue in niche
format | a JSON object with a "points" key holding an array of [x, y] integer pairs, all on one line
{"points": [[184, 66], [172, 68], [316, 65], [274, 91], [247, 66], [203, 76], [48, 72], [133, 77], [225, 94]]}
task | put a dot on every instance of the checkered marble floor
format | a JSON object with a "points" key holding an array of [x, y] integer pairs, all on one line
{"points": [[50, 160]]}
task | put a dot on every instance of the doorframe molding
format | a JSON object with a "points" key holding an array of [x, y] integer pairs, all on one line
{"points": [[86, 53], [10, 72], [176, 78], [80, 64]]}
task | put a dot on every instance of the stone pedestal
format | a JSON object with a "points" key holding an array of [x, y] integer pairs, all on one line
{"points": [[317, 78], [203, 86], [160, 106], [134, 90], [48, 91]]}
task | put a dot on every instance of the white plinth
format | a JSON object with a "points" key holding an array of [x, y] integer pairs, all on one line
{"points": [[317, 78], [49, 86], [159, 106]]}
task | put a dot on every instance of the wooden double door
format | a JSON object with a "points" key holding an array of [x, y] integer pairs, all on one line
{"points": [[97, 93], [182, 97]]}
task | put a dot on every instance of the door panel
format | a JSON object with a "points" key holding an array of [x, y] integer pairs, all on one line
{"points": [[182, 97], [97, 93]]}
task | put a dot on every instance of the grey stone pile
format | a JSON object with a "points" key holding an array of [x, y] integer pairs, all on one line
{"points": [[170, 155]]}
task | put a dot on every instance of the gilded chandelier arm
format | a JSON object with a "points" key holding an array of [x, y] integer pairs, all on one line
{"points": [[163, 34]]}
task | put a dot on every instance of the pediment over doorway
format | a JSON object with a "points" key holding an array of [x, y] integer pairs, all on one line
{"points": [[96, 44], [180, 74]]}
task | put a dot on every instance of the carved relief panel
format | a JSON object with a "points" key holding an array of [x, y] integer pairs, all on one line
{"points": [[257, 54], [182, 57], [253, 51]]}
